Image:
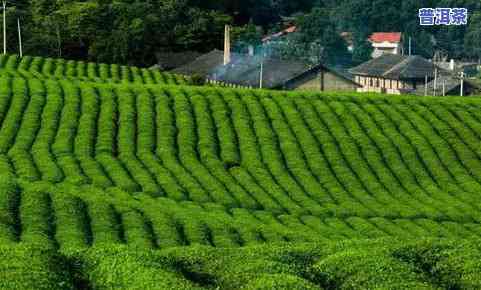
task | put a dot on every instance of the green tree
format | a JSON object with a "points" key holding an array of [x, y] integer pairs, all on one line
{"points": [[244, 36], [362, 49], [472, 40], [317, 39]]}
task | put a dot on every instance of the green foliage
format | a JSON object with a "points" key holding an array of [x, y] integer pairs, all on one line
{"points": [[139, 30], [61, 69], [379, 264], [473, 36], [27, 267], [197, 80], [131, 184]]}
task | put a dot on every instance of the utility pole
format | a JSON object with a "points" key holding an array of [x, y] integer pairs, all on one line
{"points": [[261, 73], [435, 80], [19, 38], [444, 88], [4, 2], [462, 83], [409, 45], [426, 85]]}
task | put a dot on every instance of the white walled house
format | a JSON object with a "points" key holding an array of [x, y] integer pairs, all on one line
{"points": [[386, 43], [393, 74]]}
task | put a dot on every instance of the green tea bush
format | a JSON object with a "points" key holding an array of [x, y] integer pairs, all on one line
{"points": [[167, 151], [146, 142], [58, 69], [188, 155], [72, 223], [9, 203], [231, 188], [36, 217], [33, 268]]}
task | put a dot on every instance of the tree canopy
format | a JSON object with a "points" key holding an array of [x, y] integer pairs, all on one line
{"points": [[132, 32]]}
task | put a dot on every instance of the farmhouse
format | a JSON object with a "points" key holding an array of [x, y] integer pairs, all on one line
{"points": [[244, 70], [255, 71], [386, 43], [393, 74]]}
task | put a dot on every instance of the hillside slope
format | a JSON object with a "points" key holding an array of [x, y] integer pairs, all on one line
{"points": [[373, 264], [148, 168], [62, 69]]}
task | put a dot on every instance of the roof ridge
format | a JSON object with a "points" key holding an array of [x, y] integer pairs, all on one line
{"points": [[396, 66], [409, 59]]}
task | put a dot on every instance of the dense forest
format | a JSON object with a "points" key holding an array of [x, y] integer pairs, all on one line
{"points": [[133, 32]]}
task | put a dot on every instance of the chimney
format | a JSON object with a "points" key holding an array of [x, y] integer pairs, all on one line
{"points": [[451, 65], [227, 45], [251, 50]]}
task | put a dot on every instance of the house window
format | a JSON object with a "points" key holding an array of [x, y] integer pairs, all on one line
{"points": [[377, 83], [371, 82]]}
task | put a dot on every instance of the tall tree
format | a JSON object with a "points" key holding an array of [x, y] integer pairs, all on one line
{"points": [[472, 40]]}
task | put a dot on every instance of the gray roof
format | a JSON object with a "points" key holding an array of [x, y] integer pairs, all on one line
{"points": [[392, 66], [244, 70], [202, 65], [171, 60], [450, 82]]}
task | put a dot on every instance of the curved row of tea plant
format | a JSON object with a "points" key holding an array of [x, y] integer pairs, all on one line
{"points": [[372, 264], [67, 216], [61, 69], [107, 185], [284, 153]]}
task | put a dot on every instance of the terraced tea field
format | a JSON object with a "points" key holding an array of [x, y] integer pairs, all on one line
{"points": [[137, 185], [61, 69]]}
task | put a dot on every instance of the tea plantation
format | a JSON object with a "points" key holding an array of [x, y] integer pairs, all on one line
{"points": [[125, 178]]}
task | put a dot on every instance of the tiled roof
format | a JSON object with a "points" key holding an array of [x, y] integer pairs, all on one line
{"points": [[393, 66], [385, 37], [244, 70]]}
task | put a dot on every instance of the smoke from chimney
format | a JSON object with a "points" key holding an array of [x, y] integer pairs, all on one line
{"points": [[227, 45]]}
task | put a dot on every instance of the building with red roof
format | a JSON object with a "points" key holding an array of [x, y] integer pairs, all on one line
{"points": [[386, 42], [288, 30]]}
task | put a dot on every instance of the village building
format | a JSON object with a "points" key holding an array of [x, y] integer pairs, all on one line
{"points": [[399, 74], [393, 74], [255, 71], [244, 70], [386, 43]]}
